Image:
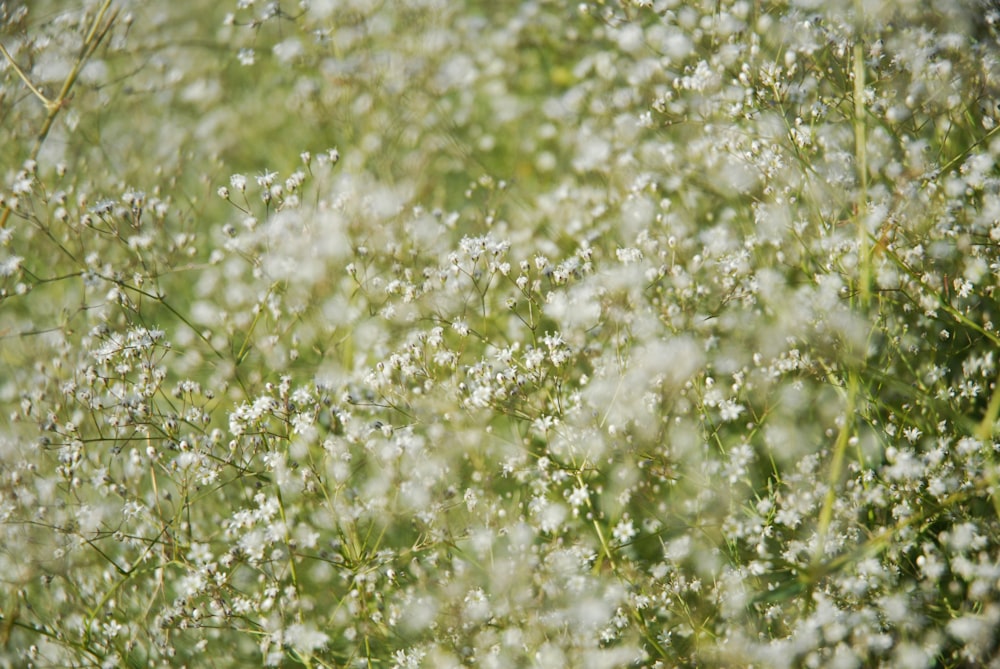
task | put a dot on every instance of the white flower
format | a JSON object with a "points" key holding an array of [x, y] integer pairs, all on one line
{"points": [[579, 496], [10, 265], [729, 410], [265, 179], [624, 531], [305, 638], [628, 256]]}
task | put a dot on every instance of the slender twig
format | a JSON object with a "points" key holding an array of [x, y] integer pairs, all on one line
{"points": [[861, 159], [49, 104]]}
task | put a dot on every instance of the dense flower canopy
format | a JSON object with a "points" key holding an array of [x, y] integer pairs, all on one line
{"points": [[635, 333]]}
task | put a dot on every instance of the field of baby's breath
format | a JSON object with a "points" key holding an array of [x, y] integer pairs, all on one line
{"points": [[430, 333]]}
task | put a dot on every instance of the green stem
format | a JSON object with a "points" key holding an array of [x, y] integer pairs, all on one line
{"points": [[985, 430], [836, 466], [49, 104], [861, 160]]}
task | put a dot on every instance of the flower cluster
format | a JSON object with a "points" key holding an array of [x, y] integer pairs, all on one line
{"points": [[639, 333]]}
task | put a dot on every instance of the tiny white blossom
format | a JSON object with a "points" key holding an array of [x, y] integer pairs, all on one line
{"points": [[624, 531]]}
